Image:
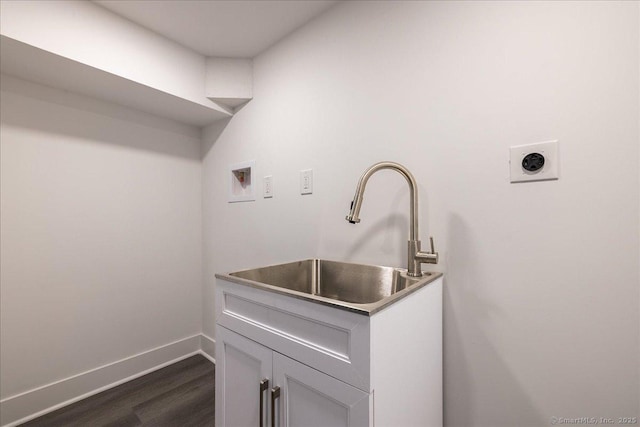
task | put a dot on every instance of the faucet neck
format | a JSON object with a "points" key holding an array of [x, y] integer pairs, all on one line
{"points": [[415, 256], [413, 195]]}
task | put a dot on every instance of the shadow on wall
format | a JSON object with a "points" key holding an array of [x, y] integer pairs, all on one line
{"points": [[52, 111], [472, 364], [392, 225], [394, 229], [211, 134]]}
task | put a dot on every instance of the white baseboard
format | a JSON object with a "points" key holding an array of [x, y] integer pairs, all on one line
{"points": [[208, 347], [22, 407]]}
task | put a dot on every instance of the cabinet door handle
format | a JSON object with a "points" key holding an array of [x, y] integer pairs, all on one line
{"points": [[264, 385], [275, 394]]}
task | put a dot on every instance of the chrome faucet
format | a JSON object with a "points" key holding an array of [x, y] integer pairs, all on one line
{"points": [[415, 257]]}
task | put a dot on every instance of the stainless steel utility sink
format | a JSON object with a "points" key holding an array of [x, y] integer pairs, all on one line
{"points": [[355, 287]]}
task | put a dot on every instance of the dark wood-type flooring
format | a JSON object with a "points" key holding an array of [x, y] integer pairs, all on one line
{"points": [[179, 395]]}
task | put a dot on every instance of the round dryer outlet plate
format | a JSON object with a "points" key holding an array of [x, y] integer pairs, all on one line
{"points": [[534, 162]]}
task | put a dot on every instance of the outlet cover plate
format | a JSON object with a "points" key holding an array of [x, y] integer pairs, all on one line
{"points": [[267, 186], [549, 149], [306, 181]]}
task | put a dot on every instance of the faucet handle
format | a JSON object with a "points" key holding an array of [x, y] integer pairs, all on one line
{"points": [[421, 256]]}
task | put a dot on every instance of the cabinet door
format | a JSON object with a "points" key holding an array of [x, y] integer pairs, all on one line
{"points": [[310, 398], [241, 366]]}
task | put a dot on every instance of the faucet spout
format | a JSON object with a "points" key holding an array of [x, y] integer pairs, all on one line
{"points": [[416, 256], [355, 210]]}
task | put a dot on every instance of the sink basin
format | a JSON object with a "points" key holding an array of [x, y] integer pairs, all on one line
{"points": [[363, 288]]}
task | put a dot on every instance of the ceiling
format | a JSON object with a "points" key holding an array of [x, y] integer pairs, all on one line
{"points": [[225, 28]]}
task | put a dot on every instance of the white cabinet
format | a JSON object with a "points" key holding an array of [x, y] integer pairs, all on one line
{"points": [[330, 366], [256, 380], [311, 398], [241, 367]]}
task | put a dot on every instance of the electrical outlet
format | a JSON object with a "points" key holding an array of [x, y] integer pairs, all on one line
{"points": [[267, 187], [534, 162], [306, 181]]}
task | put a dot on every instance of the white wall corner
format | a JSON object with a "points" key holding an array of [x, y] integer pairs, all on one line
{"points": [[31, 404], [208, 347], [17, 409], [86, 49], [91, 35], [229, 81]]}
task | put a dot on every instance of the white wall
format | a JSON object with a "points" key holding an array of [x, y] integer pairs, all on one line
{"points": [[541, 301], [101, 227], [93, 35]]}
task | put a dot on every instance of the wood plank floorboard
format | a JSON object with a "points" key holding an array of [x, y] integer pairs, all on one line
{"points": [[179, 395]]}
